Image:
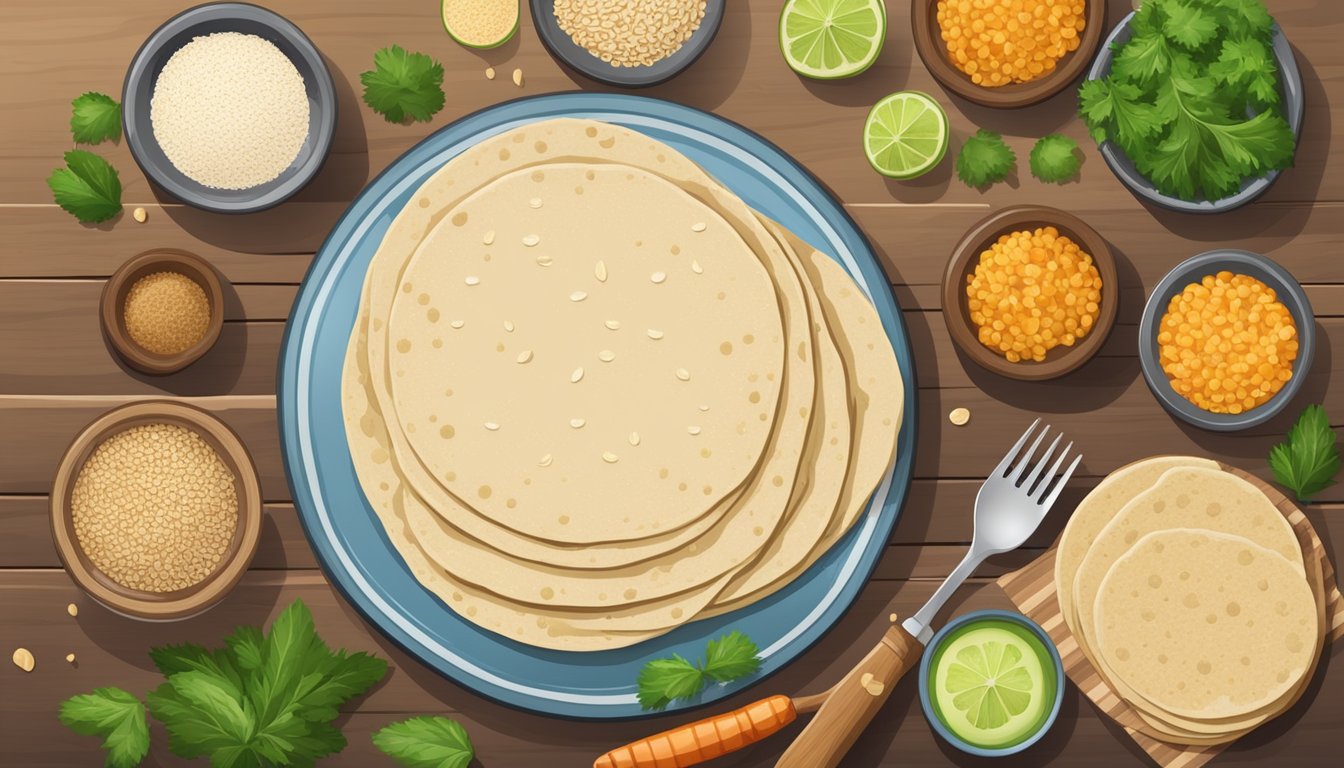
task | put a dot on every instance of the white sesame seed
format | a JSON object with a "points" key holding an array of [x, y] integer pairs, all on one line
{"points": [[534, 202], [546, 460], [531, 240], [525, 356], [508, 326], [576, 376], [577, 423], [683, 374], [634, 438], [658, 277], [698, 226], [610, 457], [492, 426], [655, 334], [606, 355], [578, 296], [704, 408], [489, 237], [518, 77], [613, 325], [601, 271], [489, 73], [544, 260], [457, 323], [696, 268], [473, 280], [693, 430]]}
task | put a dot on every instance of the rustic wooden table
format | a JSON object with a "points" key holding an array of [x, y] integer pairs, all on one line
{"points": [[57, 374]]}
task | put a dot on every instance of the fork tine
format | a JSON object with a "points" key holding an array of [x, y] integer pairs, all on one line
{"points": [[1049, 501], [1033, 479], [1025, 461], [1002, 468]]}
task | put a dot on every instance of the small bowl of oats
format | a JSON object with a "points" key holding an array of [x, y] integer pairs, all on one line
{"points": [[629, 43], [156, 510]]}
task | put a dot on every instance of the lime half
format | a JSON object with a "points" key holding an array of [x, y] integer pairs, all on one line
{"points": [[905, 135], [990, 685], [830, 39]]}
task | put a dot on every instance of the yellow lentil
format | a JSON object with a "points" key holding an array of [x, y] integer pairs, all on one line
{"points": [[1227, 344], [630, 33], [155, 508], [1031, 292], [997, 42], [166, 313]]}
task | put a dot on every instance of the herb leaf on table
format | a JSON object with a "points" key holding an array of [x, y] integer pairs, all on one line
{"points": [[1055, 158], [87, 187], [403, 86], [1308, 460], [95, 117], [117, 716], [426, 742], [1192, 98], [985, 159], [727, 658]]}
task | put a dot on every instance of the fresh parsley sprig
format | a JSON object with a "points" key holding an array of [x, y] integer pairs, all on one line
{"points": [[1055, 159], [985, 159], [115, 715], [426, 742], [727, 658], [403, 86], [95, 118], [1308, 460]]}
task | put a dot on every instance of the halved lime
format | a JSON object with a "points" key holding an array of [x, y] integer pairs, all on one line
{"points": [[830, 39], [480, 23], [905, 135], [990, 685]]}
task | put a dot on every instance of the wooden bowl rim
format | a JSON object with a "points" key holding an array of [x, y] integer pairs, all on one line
{"points": [[1060, 360], [929, 44], [113, 299], [134, 603]]}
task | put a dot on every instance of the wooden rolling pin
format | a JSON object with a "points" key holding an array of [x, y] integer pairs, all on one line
{"points": [[842, 714]]}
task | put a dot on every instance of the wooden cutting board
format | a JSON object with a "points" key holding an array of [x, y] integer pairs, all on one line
{"points": [[1032, 590]]}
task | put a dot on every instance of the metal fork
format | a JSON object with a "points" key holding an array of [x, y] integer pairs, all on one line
{"points": [[1010, 506]]}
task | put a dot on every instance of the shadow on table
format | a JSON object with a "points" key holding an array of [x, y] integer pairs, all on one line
{"points": [[291, 228]]}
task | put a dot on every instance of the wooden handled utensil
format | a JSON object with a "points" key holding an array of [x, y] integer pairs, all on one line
{"points": [[1011, 504]]}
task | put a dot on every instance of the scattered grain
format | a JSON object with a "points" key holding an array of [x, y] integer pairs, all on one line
{"points": [[489, 73], [518, 77], [72, 609], [23, 659], [140, 215], [959, 416]]}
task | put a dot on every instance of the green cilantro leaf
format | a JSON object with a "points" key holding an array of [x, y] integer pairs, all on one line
{"points": [[984, 159], [87, 187], [1248, 64], [1055, 158], [115, 715], [730, 657], [1308, 460], [1244, 17], [426, 742], [403, 86], [1142, 59], [95, 117], [1188, 24], [727, 658]]}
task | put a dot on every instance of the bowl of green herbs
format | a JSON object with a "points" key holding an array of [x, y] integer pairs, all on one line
{"points": [[1196, 104]]}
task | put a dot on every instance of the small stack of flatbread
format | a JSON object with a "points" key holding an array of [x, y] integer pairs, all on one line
{"points": [[592, 395], [1187, 589]]}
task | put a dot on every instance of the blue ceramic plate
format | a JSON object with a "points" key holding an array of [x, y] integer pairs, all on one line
{"points": [[351, 544]]}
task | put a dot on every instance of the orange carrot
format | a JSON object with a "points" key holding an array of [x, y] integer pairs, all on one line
{"points": [[704, 739]]}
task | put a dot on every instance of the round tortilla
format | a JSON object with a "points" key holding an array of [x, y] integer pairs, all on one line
{"points": [[1204, 624]]}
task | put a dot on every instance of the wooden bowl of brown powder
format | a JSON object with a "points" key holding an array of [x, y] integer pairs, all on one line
{"points": [[156, 510], [163, 310]]}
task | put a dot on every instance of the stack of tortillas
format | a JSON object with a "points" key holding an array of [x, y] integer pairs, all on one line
{"points": [[1187, 590], [592, 395]]}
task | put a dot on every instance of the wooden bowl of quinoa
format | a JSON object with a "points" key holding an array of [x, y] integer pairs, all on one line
{"points": [[1021, 88], [163, 310], [156, 510]]}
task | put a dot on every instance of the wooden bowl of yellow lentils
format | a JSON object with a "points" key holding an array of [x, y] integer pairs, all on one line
{"points": [[156, 510]]}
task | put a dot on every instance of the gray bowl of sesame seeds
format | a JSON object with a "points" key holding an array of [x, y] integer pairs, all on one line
{"points": [[229, 107], [633, 44]]}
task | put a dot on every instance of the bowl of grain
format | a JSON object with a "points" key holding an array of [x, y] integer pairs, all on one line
{"points": [[1007, 54], [229, 107], [1030, 292], [1226, 340], [156, 510], [630, 43], [163, 310]]}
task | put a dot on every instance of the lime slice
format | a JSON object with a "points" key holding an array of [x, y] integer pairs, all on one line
{"points": [[830, 39], [905, 135], [480, 23], [990, 685]]}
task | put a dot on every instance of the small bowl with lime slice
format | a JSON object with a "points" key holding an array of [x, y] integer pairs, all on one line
{"points": [[991, 683]]}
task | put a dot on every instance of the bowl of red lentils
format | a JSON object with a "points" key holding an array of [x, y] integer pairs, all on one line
{"points": [[1030, 292], [163, 310], [1226, 340], [1007, 53], [156, 510]]}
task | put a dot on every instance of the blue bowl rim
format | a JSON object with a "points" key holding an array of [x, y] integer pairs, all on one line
{"points": [[927, 705], [139, 134], [1289, 291], [563, 48], [1294, 101]]}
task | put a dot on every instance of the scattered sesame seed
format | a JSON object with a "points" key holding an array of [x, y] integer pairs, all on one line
{"points": [[578, 296], [534, 202], [70, 657], [546, 460], [655, 334], [518, 77], [489, 237], [610, 457], [601, 271], [508, 326], [606, 355], [492, 426], [140, 215], [525, 356], [658, 277], [577, 423], [72, 609], [531, 240], [576, 376], [698, 226], [613, 325], [696, 268], [634, 438], [683, 374], [23, 659], [959, 416], [473, 280], [693, 430], [458, 323], [544, 261], [489, 73]]}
